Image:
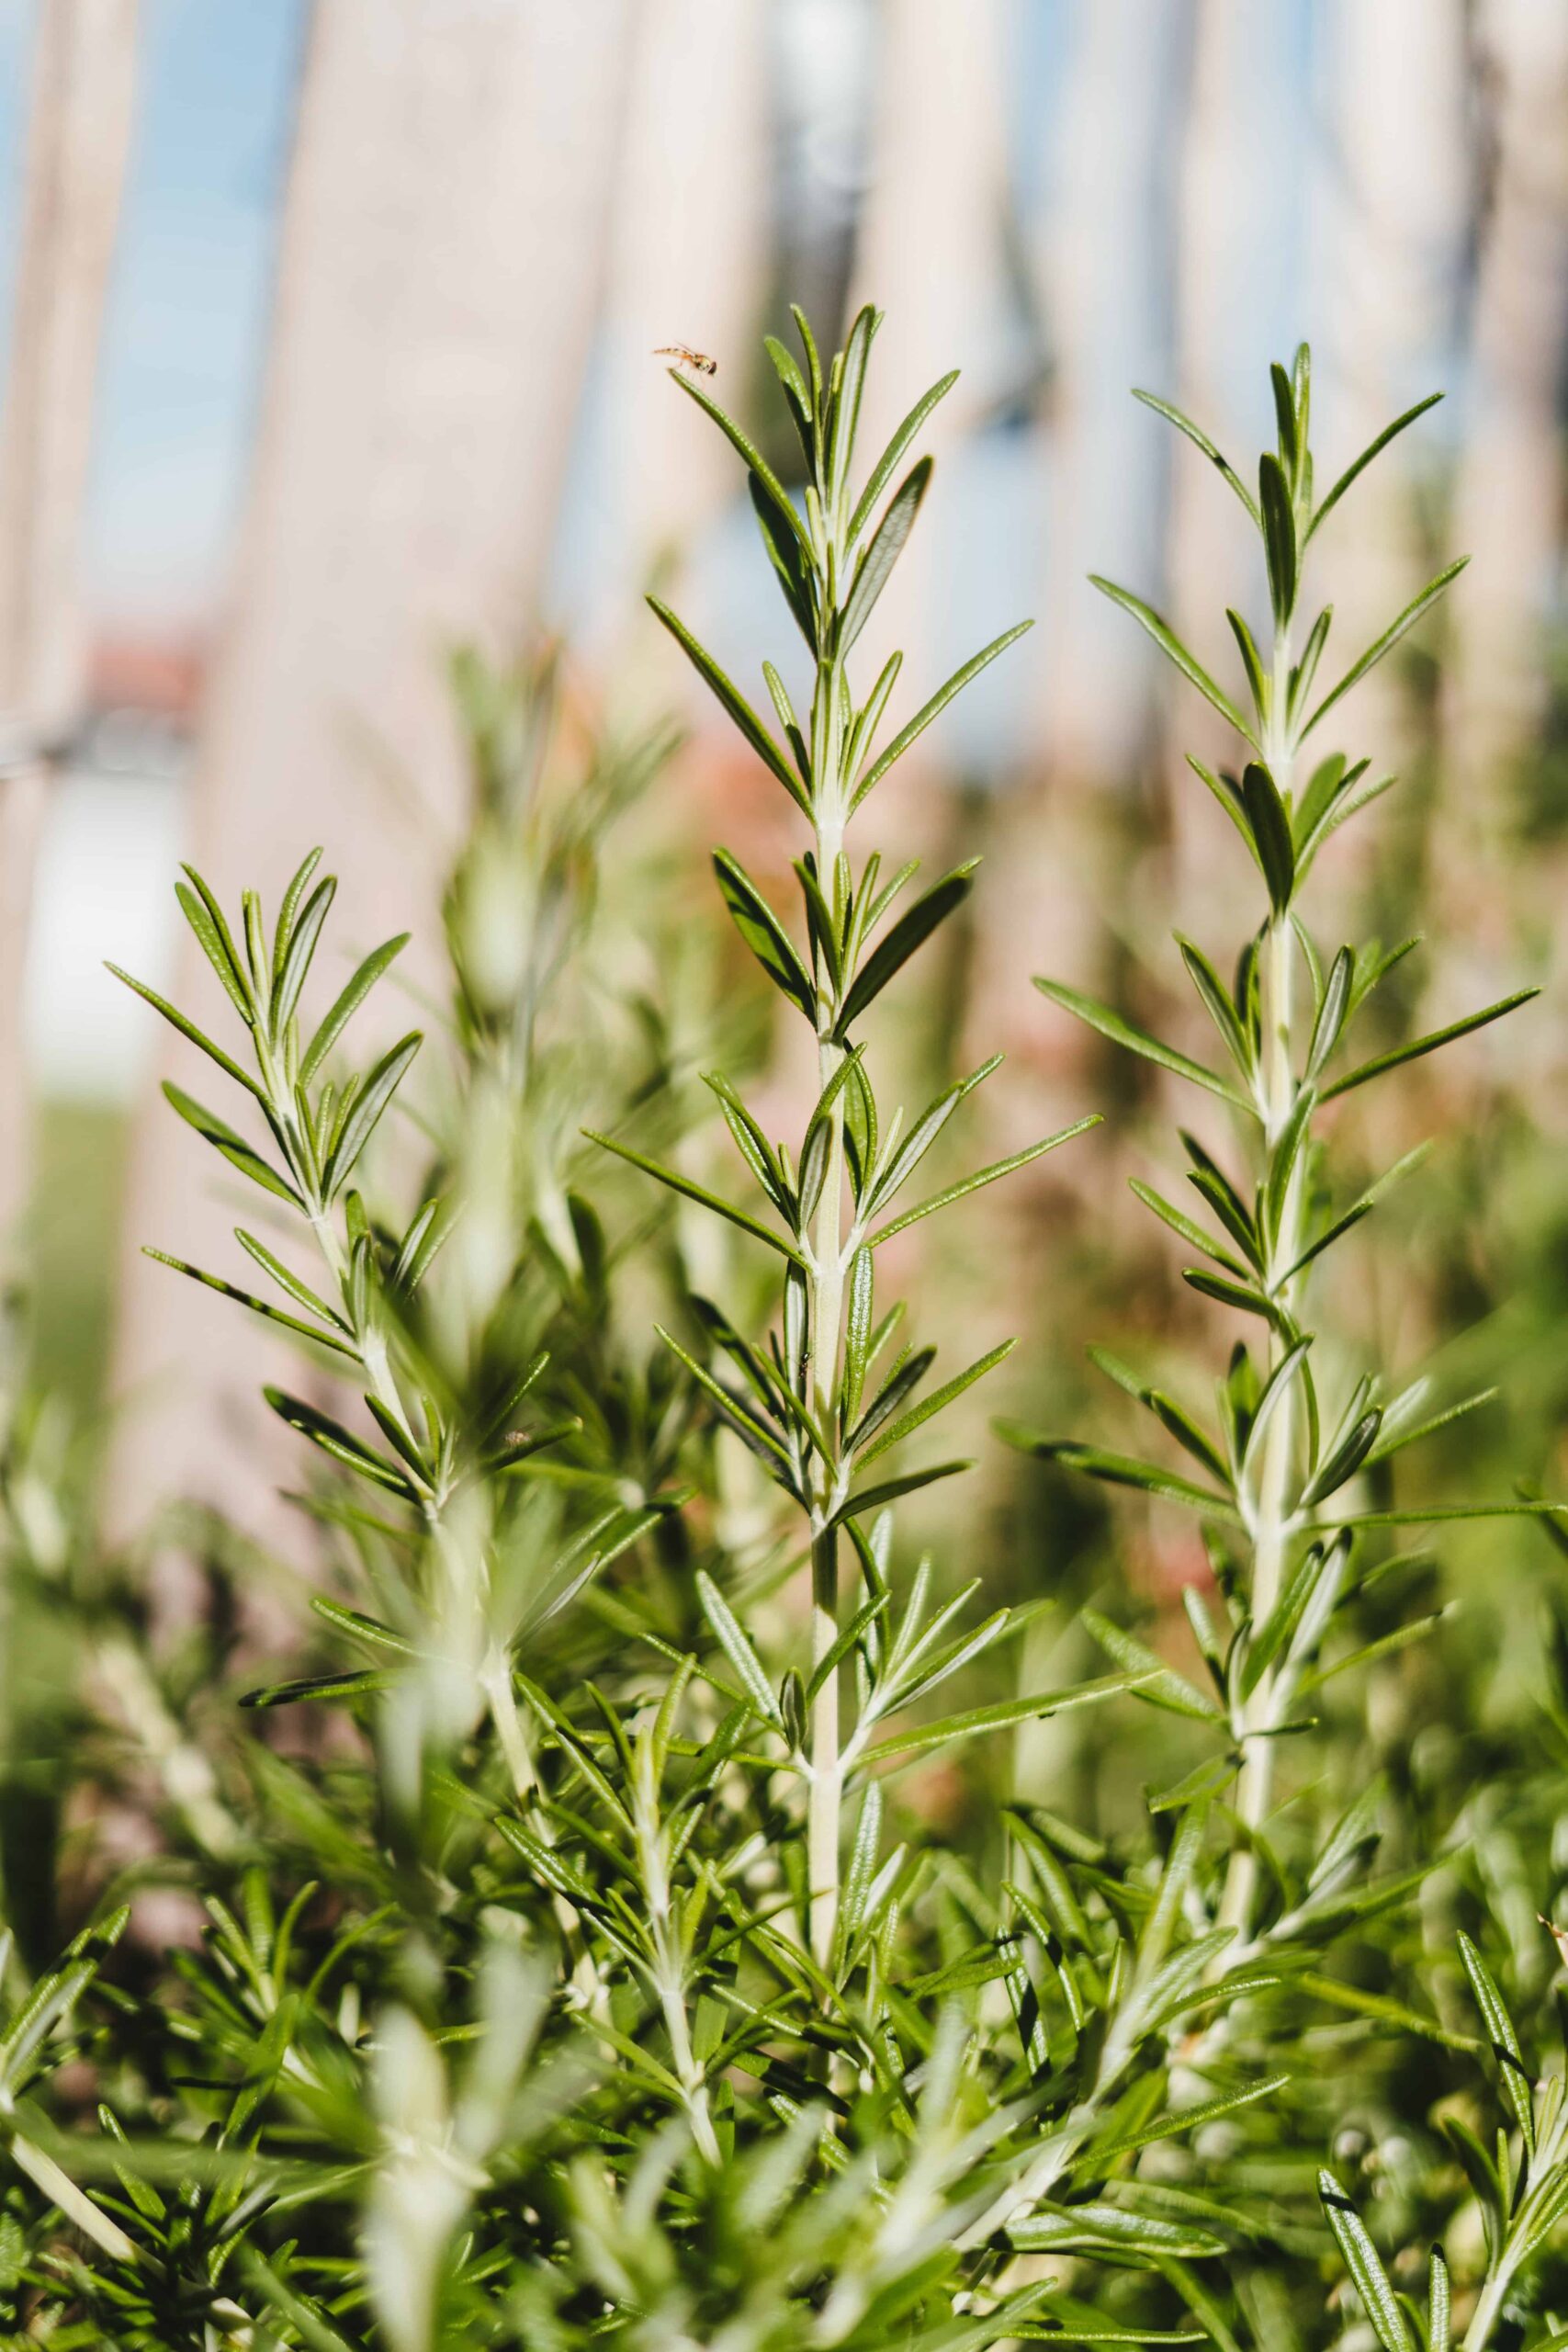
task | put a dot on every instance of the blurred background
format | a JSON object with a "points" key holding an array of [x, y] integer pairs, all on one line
{"points": [[327, 345]]}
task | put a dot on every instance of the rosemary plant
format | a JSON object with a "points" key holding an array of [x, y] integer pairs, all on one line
{"points": [[812, 1405], [1281, 1492], [1289, 1482], [599, 1979], [444, 1381]]}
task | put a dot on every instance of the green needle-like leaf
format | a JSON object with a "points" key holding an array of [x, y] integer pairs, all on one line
{"points": [[1110, 1025], [694, 1192], [1271, 833], [908, 1423], [1516, 2079], [1186, 1226], [286, 1280], [968, 1184], [1379, 2301], [1387, 641], [916, 726], [1427, 1044], [763, 933], [1003, 1716], [363, 1685], [736, 703], [1158, 1684], [738, 1649], [1119, 1470], [1278, 536], [1327, 504], [875, 565], [204, 917], [366, 1116], [176, 1020], [234, 1146], [910, 931], [339, 1442], [883, 471], [322, 1338], [1170, 645], [752, 457], [296, 964], [1200, 440], [765, 1440], [347, 1003], [874, 1498]]}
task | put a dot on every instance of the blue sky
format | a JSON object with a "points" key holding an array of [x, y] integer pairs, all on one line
{"points": [[188, 310]]}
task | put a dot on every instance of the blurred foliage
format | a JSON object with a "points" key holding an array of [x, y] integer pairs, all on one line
{"points": [[71, 1257]]}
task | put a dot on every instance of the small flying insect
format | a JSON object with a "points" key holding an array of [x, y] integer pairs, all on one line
{"points": [[697, 361]]}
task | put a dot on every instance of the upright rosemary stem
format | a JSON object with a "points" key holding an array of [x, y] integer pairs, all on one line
{"points": [[666, 1942], [495, 1668], [826, 1311], [694, 2088], [1271, 1521], [1274, 1477], [827, 1246], [501, 1698], [1488, 2309], [832, 552], [374, 1355]]}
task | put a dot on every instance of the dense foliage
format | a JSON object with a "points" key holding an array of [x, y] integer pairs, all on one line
{"points": [[584, 1957]]}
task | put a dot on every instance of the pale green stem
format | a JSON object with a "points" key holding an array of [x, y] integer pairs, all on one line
{"points": [[827, 1772], [495, 1681], [1525, 2229], [826, 1294], [669, 1971], [827, 1248], [1272, 1520], [374, 1354], [1488, 2307], [696, 2090], [826, 1312]]}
